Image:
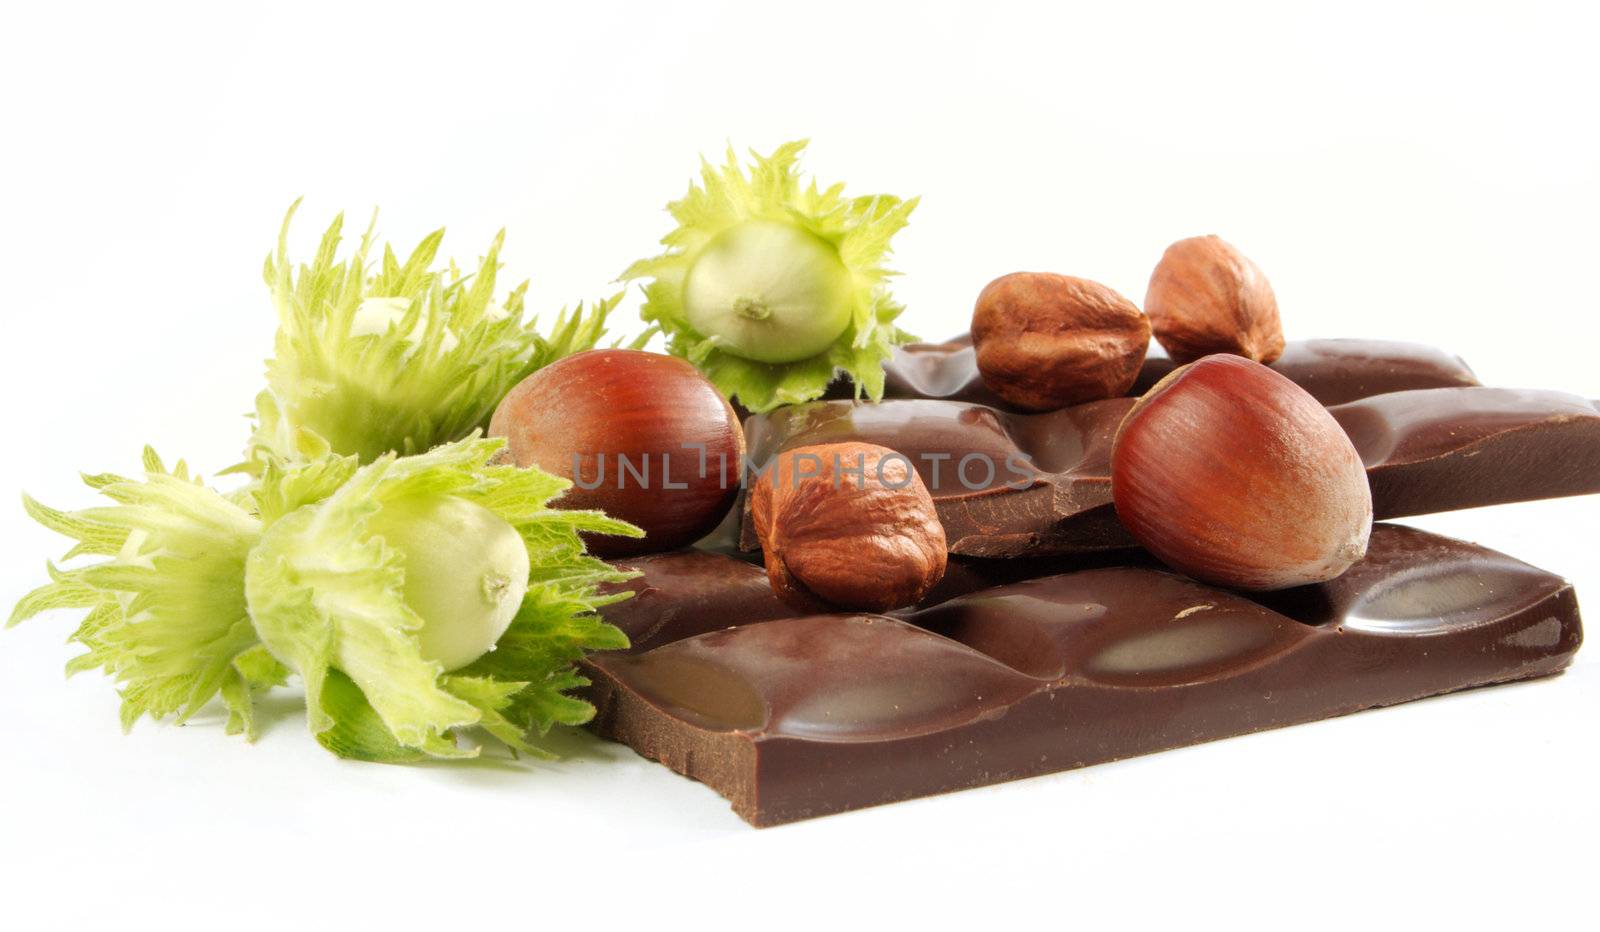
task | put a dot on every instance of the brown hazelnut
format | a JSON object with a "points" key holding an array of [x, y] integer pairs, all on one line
{"points": [[847, 526], [1206, 297], [1231, 473], [644, 437], [1045, 341]]}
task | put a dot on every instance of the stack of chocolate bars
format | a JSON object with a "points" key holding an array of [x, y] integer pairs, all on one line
{"points": [[1053, 642]]}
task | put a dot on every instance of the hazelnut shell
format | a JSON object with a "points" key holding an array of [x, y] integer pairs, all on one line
{"points": [[1232, 474], [586, 412]]}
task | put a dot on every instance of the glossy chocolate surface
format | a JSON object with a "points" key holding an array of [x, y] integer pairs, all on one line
{"points": [[1333, 371], [800, 717], [1338, 371], [1061, 503], [1449, 448], [682, 593], [1426, 450]]}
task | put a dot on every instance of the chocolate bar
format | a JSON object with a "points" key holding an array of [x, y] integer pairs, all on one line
{"points": [[1061, 504], [1444, 449], [1426, 450], [1333, 371], [682, 593], [800, 717], [1338, 371]]}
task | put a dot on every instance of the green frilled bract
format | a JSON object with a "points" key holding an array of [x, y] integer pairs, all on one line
{"points": [[199, 594], [773, 289], [396, 357]]}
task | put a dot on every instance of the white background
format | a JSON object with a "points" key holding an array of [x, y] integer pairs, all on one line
{"points": [[1398, 170]]}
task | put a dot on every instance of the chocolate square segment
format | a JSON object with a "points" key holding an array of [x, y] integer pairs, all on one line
{"points": [[1426, 451], [1333, 371], [804, 716]]}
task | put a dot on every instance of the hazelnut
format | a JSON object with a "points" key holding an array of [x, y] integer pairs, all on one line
{"points": [[1205, 297], [847, 526], [1045, 341], [645, 438], [1231, 473]]}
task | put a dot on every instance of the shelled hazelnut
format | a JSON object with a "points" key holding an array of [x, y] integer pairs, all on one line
{"points": [[1044, 341], [1235, 475], [847, 526], [1206, 297]]}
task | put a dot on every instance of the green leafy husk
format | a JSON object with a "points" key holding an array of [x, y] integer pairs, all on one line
{"points": [[200, 595], [427, 367], [859, 229], [165, 611]]}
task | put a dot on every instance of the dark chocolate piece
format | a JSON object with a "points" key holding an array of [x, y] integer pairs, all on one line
{"points": [[682, 593], [936, 370], [992, 505], [686, 592], [1449, 448], [1333, 371], [1427, 450], [1338, 371], [725, 537], [803, 717]]}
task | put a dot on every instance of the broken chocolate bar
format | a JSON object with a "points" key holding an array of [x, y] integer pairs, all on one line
{"points": [[1004, 484], [801, 717], [1333, 371], [1426, 450]]}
